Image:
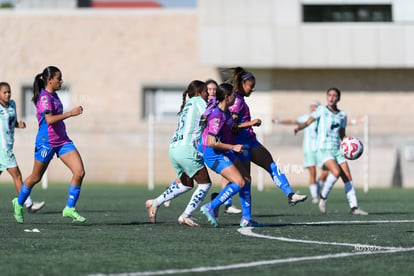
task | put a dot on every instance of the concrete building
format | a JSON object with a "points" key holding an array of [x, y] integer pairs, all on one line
{"points": [[117, 63]]}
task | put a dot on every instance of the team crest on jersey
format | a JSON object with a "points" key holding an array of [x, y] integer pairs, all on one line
{"points": [[216, 124], [44, 100]]}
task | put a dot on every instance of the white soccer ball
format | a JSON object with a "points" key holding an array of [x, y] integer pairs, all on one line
{"points": [[351, 148]]}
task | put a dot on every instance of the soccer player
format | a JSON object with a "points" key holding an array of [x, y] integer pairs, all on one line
{"points": [[218, 150], [52, 139], [8, 122], [331, 130], [244, 84], [310, 148], [229, 208], [187, 162]]}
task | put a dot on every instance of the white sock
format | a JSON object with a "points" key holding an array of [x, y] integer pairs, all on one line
{"points": [[313, 188], [328, 185], [351, 195], [28, 202], [197, 198], [172, 192]]}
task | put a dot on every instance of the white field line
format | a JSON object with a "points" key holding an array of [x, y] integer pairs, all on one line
{"points": [[372, 249]]}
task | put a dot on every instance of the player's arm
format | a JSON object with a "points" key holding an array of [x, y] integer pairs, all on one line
{"points": [[52, 119], [217, 144], [252, 123], [342, 133], [277, 120], [304, 125]]}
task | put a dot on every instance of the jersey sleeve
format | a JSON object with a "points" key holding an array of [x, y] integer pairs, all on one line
{"points": [[317, 113], [214, 125], [344, 121], [236, 107], [45, 104], [303, 118]]}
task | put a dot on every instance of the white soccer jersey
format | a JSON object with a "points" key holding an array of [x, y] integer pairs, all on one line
{"points": [[329, 126], [310, 135], [7, 125], [190, 123]]}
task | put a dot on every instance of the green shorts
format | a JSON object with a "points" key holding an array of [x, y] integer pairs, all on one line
{"points": [[310, 159], [186, 159], [7, 159], [328, 154]]}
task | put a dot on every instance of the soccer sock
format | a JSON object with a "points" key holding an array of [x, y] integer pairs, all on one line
{"points": [[279, 179], [228, 202], [175, 189], [313, 188], [319, 185], [198, 196], [246, 201], [24, 194], [73, 195], [28, 202], [225, 193], [351, 194], [327, 187]]}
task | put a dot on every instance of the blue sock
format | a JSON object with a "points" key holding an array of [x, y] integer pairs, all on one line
{"points": [[280, 179], [246, 201], [73, 195], [228, 202], [24, 194], [226, 193]]}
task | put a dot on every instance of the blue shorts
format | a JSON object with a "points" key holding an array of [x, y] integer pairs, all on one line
{"points": [[248, 145], [44, 153], [218, 160]]}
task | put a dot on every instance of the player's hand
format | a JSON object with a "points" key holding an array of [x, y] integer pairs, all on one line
{"points": [[76, 111], [237, 148], [256, 122]]}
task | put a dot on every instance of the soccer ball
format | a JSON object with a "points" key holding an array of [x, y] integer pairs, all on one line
{"points": [[351, 148]]}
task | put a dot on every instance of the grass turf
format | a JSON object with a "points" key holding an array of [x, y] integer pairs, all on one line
{"points": [[118, 237]]}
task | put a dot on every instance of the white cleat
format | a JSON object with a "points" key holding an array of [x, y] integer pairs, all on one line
{"points": [[322, 205], [187, 220], [36, 206], [358, 211], [230, 209]]}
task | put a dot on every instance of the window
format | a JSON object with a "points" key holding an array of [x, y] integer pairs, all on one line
{"points": [[29, 109], [163, 102], [347, 13]]}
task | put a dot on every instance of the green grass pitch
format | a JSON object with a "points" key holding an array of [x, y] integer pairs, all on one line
{"points": [[119, 239]]}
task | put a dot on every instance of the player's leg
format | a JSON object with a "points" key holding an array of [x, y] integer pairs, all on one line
{"points": [[31, 206], [349, 190], [204, 184], [72, 159], [332, 166], [262, 157]]}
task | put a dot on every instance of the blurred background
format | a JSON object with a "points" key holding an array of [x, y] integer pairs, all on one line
{"points": [[128, 62]]}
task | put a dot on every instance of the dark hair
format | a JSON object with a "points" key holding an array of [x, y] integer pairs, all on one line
{"points": [[337, 92], [41, 79], [3, 83], [239, 76], [211, 81], [196, 86], [223, 90]]}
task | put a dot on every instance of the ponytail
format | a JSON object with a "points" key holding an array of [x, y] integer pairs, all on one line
{"points": [[184, 101], [38, 85]]}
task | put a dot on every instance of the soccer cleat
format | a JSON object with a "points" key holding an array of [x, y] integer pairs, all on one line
{"points": [[18, 210], [230, 209], [152, 210], [358, 211], [187, 220], [315, 200], [36, 206], [71, 213], [167, 203], [322, 205], [216, 211], [250, 223], [205, 209], [296, 198]]}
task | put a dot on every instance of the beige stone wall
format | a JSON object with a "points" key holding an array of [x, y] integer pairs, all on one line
{"points": [[107, 57]]}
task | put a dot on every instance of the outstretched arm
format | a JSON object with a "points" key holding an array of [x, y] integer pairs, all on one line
{"points": [[305, 124]]}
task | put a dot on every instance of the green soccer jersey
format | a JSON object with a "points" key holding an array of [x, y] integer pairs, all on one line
{"points": [[190, 123], [7, 125], [310, 135], [329, 125]]}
